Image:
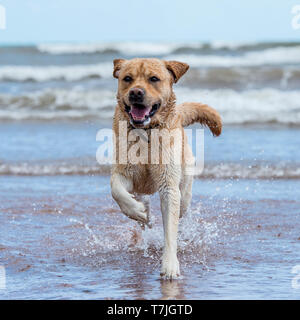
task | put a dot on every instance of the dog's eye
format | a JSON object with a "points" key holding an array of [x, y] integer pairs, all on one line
{"points": [[127, 79], [154, 79]]}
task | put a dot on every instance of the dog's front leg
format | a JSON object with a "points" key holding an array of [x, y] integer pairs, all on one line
{"points": [[170, 207], [121, 187]]}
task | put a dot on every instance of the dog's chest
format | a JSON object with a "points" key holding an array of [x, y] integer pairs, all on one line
{"points": [[143, 177]]}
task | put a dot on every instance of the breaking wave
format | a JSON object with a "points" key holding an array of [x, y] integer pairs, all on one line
{"points": [[251, 106], [55, 104], [157, 48], [228, 170], [49, 73], [266, 63], [234, 77], [274, 56]]}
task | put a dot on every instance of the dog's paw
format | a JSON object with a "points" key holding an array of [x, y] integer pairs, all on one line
{"points": [[137, 212], [170, 268]]}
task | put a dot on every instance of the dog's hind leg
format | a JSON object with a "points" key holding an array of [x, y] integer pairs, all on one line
{"points": [[121, 188]]}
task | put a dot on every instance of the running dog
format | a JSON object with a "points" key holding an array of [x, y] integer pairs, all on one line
{"points": [[146, 101]]}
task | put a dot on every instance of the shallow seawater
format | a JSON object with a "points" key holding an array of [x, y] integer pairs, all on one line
{"points": [[63, 237]]}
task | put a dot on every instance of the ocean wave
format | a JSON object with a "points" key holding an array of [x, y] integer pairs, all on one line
{"points": [[205, 70], [243, 77], [156, 48], [273, 56], [127, 48], [211, 171], [55, 104], [251, 106], [251, 171], [53, 169], [50, 73]]}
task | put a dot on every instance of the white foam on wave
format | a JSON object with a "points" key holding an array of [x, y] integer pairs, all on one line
{"points": [[149, 48], [51, 104], [232, 45], [228, 170], [48, 73], [251, 106], [272, 56], [127, 48]]}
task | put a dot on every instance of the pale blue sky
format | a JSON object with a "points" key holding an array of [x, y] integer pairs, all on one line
{"points": [[30, 21]]}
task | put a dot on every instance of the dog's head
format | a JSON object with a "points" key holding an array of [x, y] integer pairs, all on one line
{"points": [[145, 87]]}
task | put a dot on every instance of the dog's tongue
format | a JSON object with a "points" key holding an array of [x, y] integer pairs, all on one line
{"points": [[139, 113]]}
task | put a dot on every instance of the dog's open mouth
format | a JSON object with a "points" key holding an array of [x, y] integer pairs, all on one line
{"points": [[141, 114]]}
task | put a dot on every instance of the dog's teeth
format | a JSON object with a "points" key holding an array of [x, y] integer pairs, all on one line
{"points": [[147, 121]]}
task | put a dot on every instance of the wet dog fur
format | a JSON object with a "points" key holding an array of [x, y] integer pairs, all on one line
{"points": [[145, 101]]}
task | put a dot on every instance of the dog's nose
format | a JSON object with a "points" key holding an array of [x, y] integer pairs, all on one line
{"points": [[136, 95]]}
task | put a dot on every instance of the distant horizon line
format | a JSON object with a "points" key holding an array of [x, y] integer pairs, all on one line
{"points": [[34, 43]]}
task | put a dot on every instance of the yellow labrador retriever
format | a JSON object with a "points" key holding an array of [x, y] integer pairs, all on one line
{"points": [[146, 102]]}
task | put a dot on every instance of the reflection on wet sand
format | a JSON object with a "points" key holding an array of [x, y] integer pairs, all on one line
{"points": [[171, 290]]}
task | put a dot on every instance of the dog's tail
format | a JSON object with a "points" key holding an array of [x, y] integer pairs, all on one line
{"points": [[192, 112]]}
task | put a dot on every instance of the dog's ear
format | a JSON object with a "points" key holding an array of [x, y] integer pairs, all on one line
{"points": [[117, 66], [177, 69]]}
